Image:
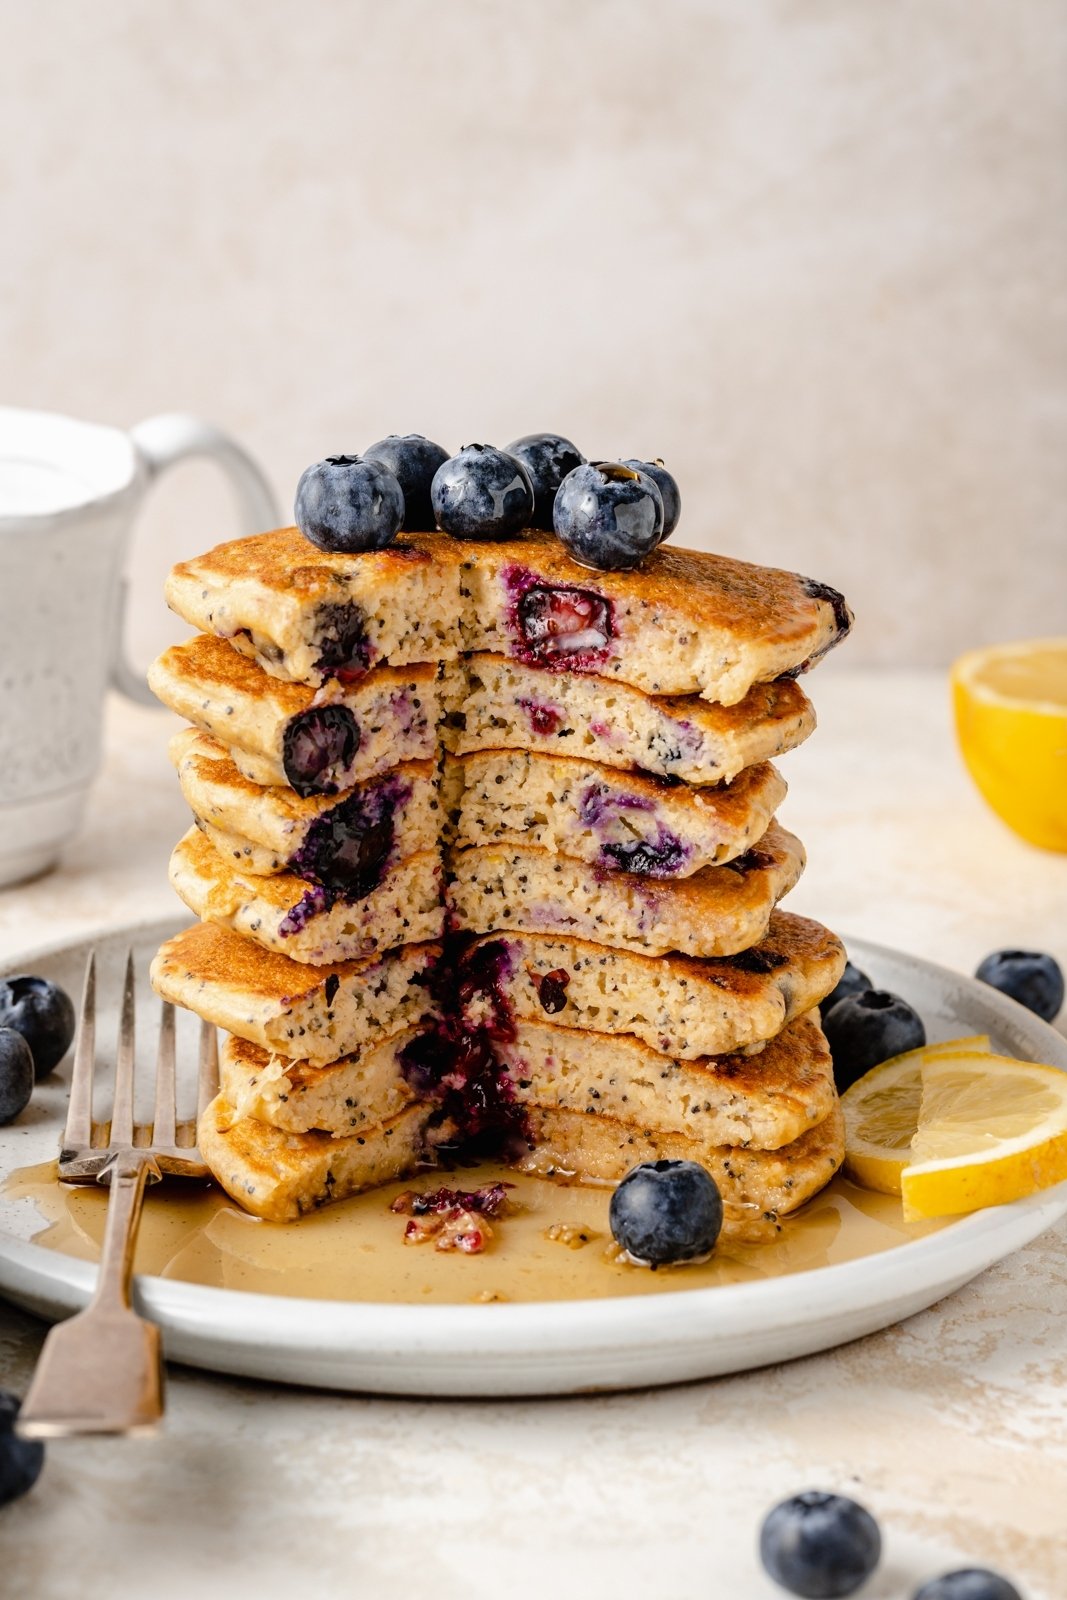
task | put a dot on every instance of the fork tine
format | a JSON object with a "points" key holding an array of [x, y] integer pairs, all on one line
{"points": [[163, 1130], [78, 1132], [208, 1086], [122, 1114]]}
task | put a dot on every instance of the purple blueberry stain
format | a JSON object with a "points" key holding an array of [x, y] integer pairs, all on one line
{"points": [[318, 747], [543, 719]]}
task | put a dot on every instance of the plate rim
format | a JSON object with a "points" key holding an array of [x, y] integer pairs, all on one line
{"points": [[370, 1322]]}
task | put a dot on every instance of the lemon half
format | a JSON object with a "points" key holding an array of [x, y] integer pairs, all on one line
{"points": [[1010, 702]]}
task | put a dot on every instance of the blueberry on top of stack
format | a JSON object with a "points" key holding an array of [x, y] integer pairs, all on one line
{"points": [[485, 847]]}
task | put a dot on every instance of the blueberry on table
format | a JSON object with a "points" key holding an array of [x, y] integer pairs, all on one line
{"points": [[865, 1029], [548, 458], [669, 492], [412, 460], [21, 1460], [347, 505], [608, 516], [665, 1212], [969, 1583], [16, 1074], [852, 981], [1033, 979], [820, 1545], [44, 1015], [482, 493]]}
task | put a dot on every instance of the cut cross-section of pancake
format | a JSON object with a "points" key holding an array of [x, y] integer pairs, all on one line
{"points": [[684, 1007], [280, 733], [508, 705], [305, 920], [281, 1176], [328, 840], [619, 821], [296, 1096], [287, 1006], [764, 1100], [572, 1147], [686, 622], [717, 912]]}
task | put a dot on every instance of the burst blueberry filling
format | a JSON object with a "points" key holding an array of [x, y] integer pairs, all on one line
{"points": [[345, 649], [558, 626], [661, 855], [317, 748], [456, 1067], [348, 847]]}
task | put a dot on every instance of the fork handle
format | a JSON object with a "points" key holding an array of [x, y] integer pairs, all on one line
{"points": [[102, 1371]]}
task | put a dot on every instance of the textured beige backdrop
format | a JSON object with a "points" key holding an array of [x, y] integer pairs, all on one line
{"points": [[812, 252]]}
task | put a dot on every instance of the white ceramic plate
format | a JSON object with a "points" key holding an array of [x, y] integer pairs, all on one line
{"points": [[545, 1348]]}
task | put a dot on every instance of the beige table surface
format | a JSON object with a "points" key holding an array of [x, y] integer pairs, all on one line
{"points": [[952, 1427]]}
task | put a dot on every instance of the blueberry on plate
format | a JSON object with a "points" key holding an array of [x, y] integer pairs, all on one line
{"points": [[852, 981], [867, 1028], [1029, 976], [548, 458], [969, 1583], [412, 460], [16, 1074], [44, 1015], [608, 516], [820, 1545], [348, 505], [21, 1460], [669, 492], [666, 1211], [482, 493]]}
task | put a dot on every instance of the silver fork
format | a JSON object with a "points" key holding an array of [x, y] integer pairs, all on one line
{"points": [[102, 1371]]}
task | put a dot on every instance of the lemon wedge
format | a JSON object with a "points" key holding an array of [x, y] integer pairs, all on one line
{"points": [[882, 1113], [1010, 703], [990, 1130]]}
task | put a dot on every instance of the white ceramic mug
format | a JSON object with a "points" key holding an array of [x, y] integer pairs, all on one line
{"points": [[69, 493]]}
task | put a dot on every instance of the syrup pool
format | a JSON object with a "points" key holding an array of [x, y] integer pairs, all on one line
{"points": [[355, 1250]]}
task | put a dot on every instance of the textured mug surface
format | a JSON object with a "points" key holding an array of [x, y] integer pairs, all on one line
{"points": [[69, 492]]}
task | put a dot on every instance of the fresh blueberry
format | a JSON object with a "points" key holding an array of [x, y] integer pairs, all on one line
{"points": [[413, 461], [16, 1074], [969, 1583], [317, 747], [608, 516], [21, 1460], [666, 1211], [548, 458], [852, 981], [669, 492], [867, 1028], [42, 1012], [1034, 979], [482, 493], [347, 505], [820, 1545]]}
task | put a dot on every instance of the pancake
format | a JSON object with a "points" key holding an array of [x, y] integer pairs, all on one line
{"points": [[683, 1007], [716, 912], [305, 921], [284, 733], [281, 1176], [571, 1147], [283, 1005], [323, 838], [762, 1100], [612, 820], [296, 1096], [686, 622]]}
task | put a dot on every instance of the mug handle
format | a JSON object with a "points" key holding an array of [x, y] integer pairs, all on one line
{"points": [[161, 441]]}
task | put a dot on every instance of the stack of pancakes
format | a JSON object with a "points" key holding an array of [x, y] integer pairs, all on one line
{"points": [[486, 861]]}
